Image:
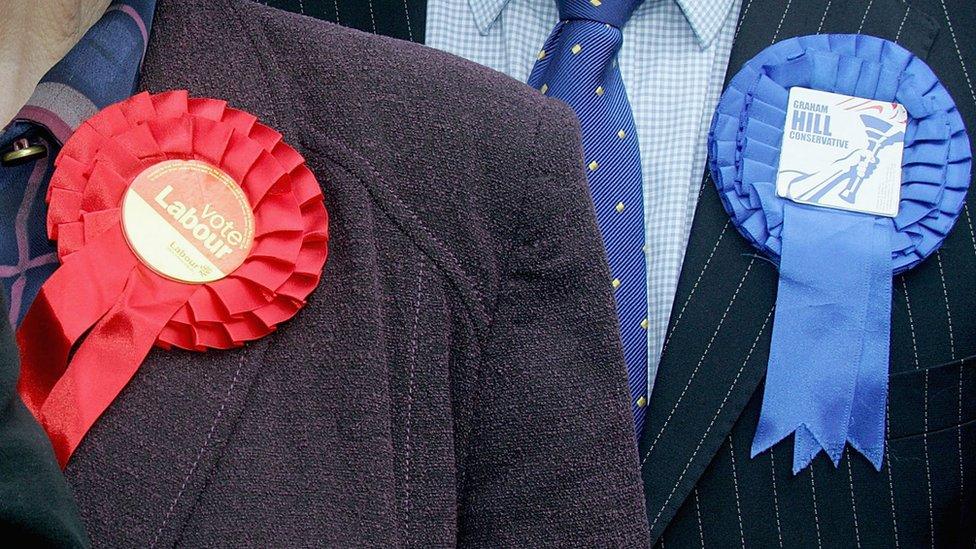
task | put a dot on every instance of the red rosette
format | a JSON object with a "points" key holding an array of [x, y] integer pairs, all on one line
{"points": [[109, 305]]}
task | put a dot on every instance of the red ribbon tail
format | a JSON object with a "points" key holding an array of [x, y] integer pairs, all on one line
{"points": [[109, 357], [42, 341], [69, 303]]}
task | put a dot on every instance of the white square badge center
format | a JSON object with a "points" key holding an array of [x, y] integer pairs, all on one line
{"points": [[842, 152]]}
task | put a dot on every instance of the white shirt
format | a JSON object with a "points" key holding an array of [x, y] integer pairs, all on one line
{"points": [[673, 62]]}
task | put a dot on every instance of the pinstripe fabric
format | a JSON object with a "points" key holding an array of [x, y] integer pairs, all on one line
{"points": [[673, 61], [403, 19], [702, 489], [101, 69], [578, 65]]}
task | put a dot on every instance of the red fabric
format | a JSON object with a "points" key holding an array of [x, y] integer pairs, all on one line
{"points": [[109, 307]]}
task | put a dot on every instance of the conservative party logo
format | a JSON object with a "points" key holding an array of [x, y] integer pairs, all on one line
{"points": [[842, 152]]}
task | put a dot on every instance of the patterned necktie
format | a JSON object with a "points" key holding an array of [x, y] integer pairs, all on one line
{"points": [[578, 65], [101, 69]]}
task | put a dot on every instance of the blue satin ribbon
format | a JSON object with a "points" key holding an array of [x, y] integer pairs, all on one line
{"points": [[827, 377], [828, 362]]}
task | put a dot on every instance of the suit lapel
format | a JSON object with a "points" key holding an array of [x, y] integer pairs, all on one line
{"points": [[131, 440], [715, 355]]}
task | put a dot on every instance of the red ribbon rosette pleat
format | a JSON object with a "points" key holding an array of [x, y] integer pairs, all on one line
{"points": [[100, 313]]}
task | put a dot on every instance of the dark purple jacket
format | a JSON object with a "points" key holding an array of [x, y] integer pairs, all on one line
{"points": [[455, 379]]}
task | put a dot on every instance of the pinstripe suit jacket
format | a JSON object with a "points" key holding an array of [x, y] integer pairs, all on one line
{"points": [[701, 487], [403, 19]]}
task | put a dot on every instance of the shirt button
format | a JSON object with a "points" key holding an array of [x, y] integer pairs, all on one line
{"points": [[23, 152]]}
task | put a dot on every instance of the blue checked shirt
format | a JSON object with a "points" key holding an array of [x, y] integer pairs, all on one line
{"points": [[673, 63], [102, 69]]}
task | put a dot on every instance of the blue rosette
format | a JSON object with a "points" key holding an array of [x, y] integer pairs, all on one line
{"points": [[827, 374]]}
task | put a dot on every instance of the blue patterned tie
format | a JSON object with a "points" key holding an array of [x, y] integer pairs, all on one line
{"points": [[578, 65], [101, 69]]}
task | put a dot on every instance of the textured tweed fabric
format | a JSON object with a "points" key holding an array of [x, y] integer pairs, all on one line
{"points": [[455, 379]]}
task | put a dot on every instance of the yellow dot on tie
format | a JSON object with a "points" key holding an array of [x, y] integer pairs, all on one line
{"points": [[644, 248], [621, 134], [641, 402], [593, 166], [644, 323], [599, 90], [544, 88], [542, 55], [596, 3], [620, 207], [615, 283], [576, 49]]}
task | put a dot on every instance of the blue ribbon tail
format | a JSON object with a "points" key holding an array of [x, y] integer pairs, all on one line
{"points": [[828, 366], [805, 448], [866, 432]]}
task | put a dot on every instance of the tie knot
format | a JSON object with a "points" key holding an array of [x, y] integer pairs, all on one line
{"points": [[610, 12]]}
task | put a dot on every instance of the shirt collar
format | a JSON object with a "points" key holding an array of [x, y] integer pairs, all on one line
{"points": [[486, 12], [706, 17], [102, 68]]}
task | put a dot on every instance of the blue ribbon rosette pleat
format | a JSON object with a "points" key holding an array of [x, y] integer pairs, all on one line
{"points": [[827, 376]]}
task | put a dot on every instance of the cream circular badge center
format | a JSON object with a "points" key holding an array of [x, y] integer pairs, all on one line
{"points": [[188, 221]]}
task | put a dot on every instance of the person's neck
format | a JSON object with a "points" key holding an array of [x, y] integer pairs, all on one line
{"points": [[34, 36]]}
